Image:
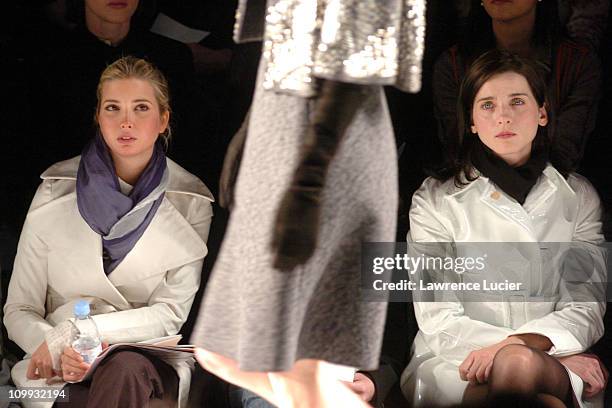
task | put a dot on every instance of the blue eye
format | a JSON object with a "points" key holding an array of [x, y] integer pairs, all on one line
{"points": [[487, 105]]}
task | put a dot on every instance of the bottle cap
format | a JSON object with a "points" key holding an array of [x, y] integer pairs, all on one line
{"points": [[81, 308]]}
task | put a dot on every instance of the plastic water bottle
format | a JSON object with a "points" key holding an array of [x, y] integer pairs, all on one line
{"points": [[86, 339]]}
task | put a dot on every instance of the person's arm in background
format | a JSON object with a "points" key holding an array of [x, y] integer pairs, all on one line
{"points": [[394, 355], [585, 20], [578, 92], [374, 386], [446, 80], [213, 53], [209, 60]]}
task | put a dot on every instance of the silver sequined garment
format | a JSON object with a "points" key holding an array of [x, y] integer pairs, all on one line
{"points": [[359, 41]]}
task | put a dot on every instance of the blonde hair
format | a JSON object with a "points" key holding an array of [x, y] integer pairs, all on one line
{"points": [[137, 68]]}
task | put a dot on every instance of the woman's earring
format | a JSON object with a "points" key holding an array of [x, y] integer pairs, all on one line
{"points": [[482, 3]]}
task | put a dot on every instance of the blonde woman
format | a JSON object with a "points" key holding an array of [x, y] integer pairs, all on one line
{"points": [[123, 227]]}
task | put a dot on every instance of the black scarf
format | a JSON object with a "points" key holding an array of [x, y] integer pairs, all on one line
{"points": [[514, 181]]}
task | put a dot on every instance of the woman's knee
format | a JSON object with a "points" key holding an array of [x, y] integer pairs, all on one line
{"points": [[515, 367], [517, 358]]}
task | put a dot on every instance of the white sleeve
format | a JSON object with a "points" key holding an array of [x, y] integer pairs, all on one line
{"points": [[24, 310]]}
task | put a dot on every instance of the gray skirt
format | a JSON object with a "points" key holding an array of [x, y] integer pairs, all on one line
{"points": [[266, 319]]}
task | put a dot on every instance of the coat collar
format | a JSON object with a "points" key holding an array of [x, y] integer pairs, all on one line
{"points": [[549, 174], [181, 181], [549, 183]]}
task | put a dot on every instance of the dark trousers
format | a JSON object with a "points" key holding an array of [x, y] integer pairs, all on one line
{"points": [[126, 379]]}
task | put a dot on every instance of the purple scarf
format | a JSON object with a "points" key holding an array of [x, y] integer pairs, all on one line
{"points": [[119, 219]]}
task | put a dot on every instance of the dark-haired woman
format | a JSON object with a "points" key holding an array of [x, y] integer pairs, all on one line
{"points": [[530, 29], [503, 188]]}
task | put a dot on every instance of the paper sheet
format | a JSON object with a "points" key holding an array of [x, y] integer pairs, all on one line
{"points": [[171, 28]]}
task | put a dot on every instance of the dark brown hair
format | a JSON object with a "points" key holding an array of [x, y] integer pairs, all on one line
{"points": [[489, 64]]}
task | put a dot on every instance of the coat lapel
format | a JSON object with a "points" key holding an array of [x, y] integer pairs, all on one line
{"points": [[549, 184], [77, 257], [504, 205], [539, 194], [168, 242]]}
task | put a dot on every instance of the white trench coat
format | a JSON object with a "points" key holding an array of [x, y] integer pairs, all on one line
{"points": [[556, 210], [59, 261]]}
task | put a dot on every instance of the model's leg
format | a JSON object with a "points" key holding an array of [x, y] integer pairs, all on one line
{"points": [[296, 227], [522, 374], [311, 383], [243, 398], [228, 370]]}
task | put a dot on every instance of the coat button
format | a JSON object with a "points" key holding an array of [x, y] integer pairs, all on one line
{"points": [[495, 195]]}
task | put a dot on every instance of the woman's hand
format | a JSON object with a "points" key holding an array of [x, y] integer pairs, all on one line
{"points": [[590, 369], [363, 386], [73, 365], [41, 364], [477, 366]]}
